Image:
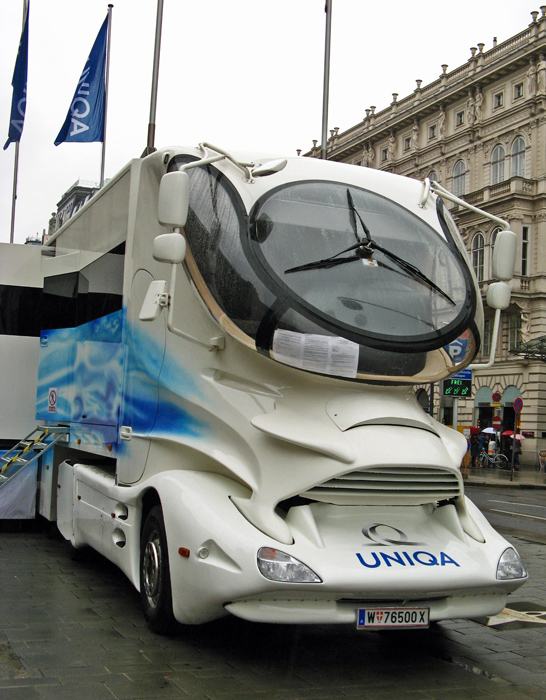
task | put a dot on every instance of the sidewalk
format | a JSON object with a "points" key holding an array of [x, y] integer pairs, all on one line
{"points": [[528, 476]]}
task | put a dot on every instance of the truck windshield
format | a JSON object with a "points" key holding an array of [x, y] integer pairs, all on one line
{"points": [[320, 264]]}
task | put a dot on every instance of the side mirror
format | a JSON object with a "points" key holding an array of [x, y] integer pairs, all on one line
{"points": [[169, 248], [498, 295], [174, 199], [504, 255]]}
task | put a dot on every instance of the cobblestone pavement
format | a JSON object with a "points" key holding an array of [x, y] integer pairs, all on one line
{"points": [[73, 631]]}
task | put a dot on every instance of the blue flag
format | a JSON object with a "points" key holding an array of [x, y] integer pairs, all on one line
{"points": [[19, 84], [85, 119]]}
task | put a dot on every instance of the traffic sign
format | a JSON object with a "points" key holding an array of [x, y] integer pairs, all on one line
{"points": [[496, 397], [457, 349], [496, 422], [518, 405]]}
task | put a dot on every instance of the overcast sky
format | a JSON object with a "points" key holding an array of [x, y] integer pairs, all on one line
{"points": [[241, 74]]}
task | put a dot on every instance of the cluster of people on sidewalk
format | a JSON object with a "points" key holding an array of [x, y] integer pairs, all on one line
{"points": [[487, 442]]}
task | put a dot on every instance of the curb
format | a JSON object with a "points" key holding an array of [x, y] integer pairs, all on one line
{"points": [[485, 481]]}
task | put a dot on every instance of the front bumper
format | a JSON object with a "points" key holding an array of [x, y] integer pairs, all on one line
{"points": [[408, 555], [313, 610]]}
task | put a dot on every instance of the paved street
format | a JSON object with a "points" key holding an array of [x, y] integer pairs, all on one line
{"points": [[517, 511], [73, 630]]}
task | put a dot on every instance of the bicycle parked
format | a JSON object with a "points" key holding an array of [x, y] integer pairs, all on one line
{"points": [[496, 459]]}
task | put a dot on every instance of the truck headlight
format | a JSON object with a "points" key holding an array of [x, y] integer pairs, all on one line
{"points": [[510, 566], [279, 566]]}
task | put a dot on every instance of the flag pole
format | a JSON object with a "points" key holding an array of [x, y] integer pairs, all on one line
{"points": [[16, 159], [106, 81], [14, 193], [328, 10], [150, 147]]}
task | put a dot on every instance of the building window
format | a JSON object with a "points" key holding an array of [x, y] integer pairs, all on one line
{"points": [[498, 100], [497, 165], [459, 118], [407, 143], [525, 243], [518, 158], [478, 244], [514, 331], [433, 176], [493, 241], [487, 336], [518, 91], [432, 131], [459, 178], [384, 154]]}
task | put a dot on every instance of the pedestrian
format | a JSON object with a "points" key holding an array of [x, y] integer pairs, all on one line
{"points": [[482, 445], [474, 449]]}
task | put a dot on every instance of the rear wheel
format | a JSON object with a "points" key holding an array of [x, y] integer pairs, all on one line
{"points": [[155, 578]]}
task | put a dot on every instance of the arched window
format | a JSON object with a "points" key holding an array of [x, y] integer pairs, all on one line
{"points": [[493, 240], [433, 176], [497, 165], [518, 158], [478, 244], [459, 178]]}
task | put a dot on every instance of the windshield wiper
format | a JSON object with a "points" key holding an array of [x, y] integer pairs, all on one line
{"points": [[364, 249], [415, 272], [355, 213], [335, 259], [362, 246]]}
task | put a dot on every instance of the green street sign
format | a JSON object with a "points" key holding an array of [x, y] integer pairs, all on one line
{"points": [[457, 387]]}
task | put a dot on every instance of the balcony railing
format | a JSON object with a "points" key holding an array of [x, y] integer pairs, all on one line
{"points": [[515, 185]]}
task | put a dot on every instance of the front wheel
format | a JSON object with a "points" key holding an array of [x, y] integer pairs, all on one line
{"points": [[155, 578], [502, 460]]}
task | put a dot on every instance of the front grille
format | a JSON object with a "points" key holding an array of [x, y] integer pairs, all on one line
{"points": [[388, 485]]}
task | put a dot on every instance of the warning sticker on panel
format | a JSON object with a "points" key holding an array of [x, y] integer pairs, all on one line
{"points": [[52, 400], [316, 353]]}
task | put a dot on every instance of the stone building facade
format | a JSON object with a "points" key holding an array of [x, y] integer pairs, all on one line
{"points": [[71, 202], [480, 131]]}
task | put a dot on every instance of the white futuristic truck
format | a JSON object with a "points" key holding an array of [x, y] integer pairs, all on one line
{"points": [[229, 370]]}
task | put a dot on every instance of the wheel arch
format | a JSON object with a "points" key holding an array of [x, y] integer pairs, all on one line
{"points": [[150, 498], [155, 578]]}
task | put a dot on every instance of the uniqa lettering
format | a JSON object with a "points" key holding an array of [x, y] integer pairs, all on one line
{"points": [[406, 559], [80, 107]]}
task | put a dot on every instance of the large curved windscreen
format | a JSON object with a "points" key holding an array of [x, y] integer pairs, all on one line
{"points": [[364, 264], [328, 277]]}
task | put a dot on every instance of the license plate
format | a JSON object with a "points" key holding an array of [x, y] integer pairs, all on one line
{"points": [[392, 618]]}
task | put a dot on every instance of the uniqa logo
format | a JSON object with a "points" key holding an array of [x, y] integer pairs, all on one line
{"points": [[405, 559]]}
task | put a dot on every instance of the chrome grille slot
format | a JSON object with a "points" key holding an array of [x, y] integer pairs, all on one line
{"points": [[388, 485]]}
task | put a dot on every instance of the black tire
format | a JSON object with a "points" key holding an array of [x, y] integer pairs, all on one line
{"points": [[502, 461], [155, 578], [77, 553], [482, 460]]}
